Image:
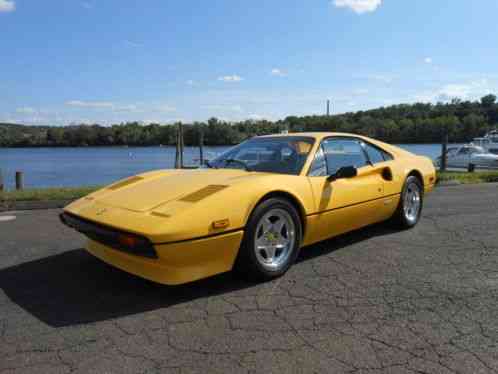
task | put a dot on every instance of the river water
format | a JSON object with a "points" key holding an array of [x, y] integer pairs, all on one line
{"points": [[88, 166]]}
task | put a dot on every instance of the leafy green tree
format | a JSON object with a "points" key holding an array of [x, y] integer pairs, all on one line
{"points": [[488, 101]]}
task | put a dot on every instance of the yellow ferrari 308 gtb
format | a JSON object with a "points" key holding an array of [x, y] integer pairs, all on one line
{"points": [[252, 208]]}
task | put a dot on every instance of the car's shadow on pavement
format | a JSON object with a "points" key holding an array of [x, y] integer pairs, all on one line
{"points": [[75, 288]]}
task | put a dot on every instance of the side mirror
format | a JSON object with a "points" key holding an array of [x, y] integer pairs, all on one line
{"points": [[343, 173]]}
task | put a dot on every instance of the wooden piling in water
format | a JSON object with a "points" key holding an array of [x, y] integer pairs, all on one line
{"points": [[1, 181], [177, 148], [181, 146], [201, 147], [19, 180], [444, 147]]}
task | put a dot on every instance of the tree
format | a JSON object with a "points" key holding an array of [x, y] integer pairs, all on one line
{"points": [[403, 123], [488, 101]]}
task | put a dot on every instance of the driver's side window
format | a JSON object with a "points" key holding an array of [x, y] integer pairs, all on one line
{"points": [[342, 152], [335, 153]]}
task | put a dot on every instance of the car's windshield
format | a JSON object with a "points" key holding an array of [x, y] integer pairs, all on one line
{"points": [[277, 154], [470, 150]]}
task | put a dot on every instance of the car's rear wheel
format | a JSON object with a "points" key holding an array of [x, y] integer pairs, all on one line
{"points": [[271, 240], [410, 205]]}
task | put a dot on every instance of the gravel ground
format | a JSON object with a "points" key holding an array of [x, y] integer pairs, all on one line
{"points": [[373, 301]]}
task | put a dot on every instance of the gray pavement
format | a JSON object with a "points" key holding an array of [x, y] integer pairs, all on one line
{"points": [[374, 301]]}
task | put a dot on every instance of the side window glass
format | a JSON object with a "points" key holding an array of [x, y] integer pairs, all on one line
{"points": [[387, 156], [374, 154], [318, 166], [343, 152]]}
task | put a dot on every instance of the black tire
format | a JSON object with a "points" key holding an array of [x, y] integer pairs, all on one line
{"points": [[401, 218], [247, 264]]}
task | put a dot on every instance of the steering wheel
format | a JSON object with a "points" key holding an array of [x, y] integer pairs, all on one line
{"points": [[235, 161]]}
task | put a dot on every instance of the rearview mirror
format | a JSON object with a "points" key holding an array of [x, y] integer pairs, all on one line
{"points": [[343, 173]]}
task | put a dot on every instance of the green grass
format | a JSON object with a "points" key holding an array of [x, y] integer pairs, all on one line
{"points": [[465, 177], [47, 194]]}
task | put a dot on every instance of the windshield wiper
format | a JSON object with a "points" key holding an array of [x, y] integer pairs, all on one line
{"points": [[235, 161]]}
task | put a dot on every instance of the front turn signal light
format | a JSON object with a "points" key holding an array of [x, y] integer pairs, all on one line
{"points": [[221, 224], [128, 240]]}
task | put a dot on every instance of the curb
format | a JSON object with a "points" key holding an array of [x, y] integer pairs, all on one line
{"points": [[32, 205], [449, 183]]}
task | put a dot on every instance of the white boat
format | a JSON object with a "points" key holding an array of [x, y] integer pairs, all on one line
{"points": [[469, 156], [489, 142]]}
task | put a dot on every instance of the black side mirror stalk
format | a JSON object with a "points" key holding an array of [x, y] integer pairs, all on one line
{"points": [[343, 173]]}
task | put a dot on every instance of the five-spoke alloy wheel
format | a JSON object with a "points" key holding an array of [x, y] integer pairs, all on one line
{"points": [[274, 238], [411, 202], [271, 240]]}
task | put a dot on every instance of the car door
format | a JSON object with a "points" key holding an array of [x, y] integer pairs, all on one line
{"points": [[462, 158], [344, 204], [451, 157]]}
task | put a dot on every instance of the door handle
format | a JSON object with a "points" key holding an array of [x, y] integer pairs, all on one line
{"points": [[387, 174]]}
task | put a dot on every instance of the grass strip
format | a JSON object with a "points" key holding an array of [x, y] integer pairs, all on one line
{"points": [[467, 178], [45, 194]]}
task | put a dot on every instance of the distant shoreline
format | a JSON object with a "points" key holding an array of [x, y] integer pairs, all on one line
{"points": [[159, 146], [417, 123]]}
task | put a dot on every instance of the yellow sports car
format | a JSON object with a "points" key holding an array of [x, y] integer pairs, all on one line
{"points": [[252, 208]]}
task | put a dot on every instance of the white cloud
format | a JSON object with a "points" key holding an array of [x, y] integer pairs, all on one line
{"points": [[90, 104], [472, 90], [360, 92], [130, 43], [454, 91], [231, 78], [7, 6], [231, 108], [256, 117], [110, 107], [165, 108], [359, 6], [383, 78], [87, 5], [25, 110], [428, 60], [278, 73], [126, 108]]}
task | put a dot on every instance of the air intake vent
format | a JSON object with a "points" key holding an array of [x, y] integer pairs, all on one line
{"points": [[124, 183], [202, 193]]}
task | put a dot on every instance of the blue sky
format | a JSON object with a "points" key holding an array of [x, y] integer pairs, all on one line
{"points": [[107, 61]]}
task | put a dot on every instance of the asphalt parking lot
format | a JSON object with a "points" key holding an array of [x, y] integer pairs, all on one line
{"points": [[374, 301]]}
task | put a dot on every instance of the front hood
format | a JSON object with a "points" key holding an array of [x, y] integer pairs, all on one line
{"points": [[145, 192]]}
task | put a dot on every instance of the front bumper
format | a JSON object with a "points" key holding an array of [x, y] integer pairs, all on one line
{"points": [[176, 263], [109, 236]]}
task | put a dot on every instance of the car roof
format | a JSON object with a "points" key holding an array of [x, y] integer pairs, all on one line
{"points": [[318, 135]]}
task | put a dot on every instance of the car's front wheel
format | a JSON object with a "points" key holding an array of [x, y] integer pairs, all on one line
{"points": [[271, 240]]}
